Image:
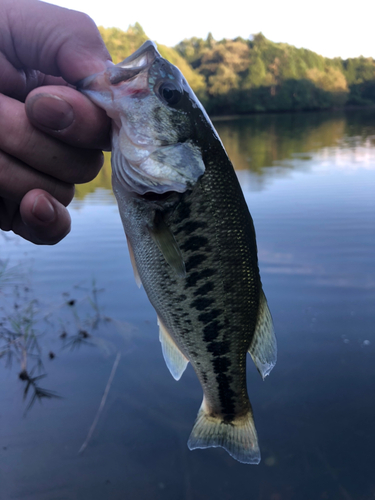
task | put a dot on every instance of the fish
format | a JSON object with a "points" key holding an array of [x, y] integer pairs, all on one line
{"points": [[191, 241]]}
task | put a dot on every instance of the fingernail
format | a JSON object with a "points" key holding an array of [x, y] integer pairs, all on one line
{"points": [[50, 111], [43, 209]]}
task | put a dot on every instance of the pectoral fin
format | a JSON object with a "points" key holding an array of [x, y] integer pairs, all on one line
{"points": [[164, 239], [173, 357], [263, 348], [134, 265]]}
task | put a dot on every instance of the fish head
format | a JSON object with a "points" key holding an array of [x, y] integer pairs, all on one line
{"points": [[155, 143]]}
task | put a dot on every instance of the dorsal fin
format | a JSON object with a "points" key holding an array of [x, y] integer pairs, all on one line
{"points": [[173, 357], [263, 348]]}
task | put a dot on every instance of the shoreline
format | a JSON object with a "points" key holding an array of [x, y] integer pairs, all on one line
{"points": [[217, 118]]}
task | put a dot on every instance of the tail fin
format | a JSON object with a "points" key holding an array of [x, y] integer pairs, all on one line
{"points": [[238, 438]]}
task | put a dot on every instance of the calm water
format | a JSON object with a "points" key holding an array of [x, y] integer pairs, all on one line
{"points": [[309, 181]]}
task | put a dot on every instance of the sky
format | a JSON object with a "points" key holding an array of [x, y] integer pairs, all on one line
{"points": [[329, 27]]}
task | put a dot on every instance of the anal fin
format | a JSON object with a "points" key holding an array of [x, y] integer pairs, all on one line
{"points": [[263, 348], [174, 359]]}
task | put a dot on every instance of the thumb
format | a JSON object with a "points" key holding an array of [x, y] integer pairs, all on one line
{"points": [[53, 40]]}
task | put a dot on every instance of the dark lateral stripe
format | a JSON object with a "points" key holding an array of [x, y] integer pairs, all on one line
{"points": [[194, 277], [204, 289], [194, 243], [226, 395], [218, 348], [209, 316], [184, 211], [202, 303], [194, 261], [221, 364], [191, 226], [211, 331]]}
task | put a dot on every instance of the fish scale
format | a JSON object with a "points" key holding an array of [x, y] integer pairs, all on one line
{"points": [[225, 308], [191, 240]]}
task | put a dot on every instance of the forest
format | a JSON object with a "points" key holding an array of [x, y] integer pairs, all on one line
{"points": [[257, 75]]}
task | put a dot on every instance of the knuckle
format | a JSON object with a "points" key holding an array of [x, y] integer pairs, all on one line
{"points": [[10, 187], [84, 20], [90, 167], [61, 191]]}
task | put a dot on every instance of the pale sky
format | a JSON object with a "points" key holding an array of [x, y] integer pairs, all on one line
{"points": [[331, 28]]}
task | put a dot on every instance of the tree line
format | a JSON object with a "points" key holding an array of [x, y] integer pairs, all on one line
{"points": [[257, 75]]}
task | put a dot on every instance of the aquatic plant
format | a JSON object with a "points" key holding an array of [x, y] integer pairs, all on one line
{"points": [[22, 325]]}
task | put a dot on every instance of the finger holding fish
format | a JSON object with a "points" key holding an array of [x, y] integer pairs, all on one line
{"points": [[62, 112]]}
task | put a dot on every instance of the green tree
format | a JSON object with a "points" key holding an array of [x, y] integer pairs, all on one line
{"points": [[256, 73], [195, 80], [222, 81]]}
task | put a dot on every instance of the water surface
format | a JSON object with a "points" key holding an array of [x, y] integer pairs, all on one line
{"points": [[309, 180]]}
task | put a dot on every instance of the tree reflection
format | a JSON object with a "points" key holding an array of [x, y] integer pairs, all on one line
{"points": [[262, 143]]}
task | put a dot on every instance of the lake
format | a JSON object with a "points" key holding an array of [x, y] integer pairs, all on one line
{"points": [[82, 367]]}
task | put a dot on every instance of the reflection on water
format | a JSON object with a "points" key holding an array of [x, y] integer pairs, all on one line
{"points": [[309, 180], [269, 145]]}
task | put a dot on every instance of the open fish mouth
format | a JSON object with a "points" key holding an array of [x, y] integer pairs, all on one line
{"points": [[141, 59], [125, 71]]}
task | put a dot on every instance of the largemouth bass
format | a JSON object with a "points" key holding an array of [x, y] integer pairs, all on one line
{"points": [[191, 240]]}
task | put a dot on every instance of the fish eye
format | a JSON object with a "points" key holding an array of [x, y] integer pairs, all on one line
{"points": [[170, 93]]}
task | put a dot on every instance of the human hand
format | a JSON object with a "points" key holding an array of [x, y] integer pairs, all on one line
{"points": [[51, 136]]}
